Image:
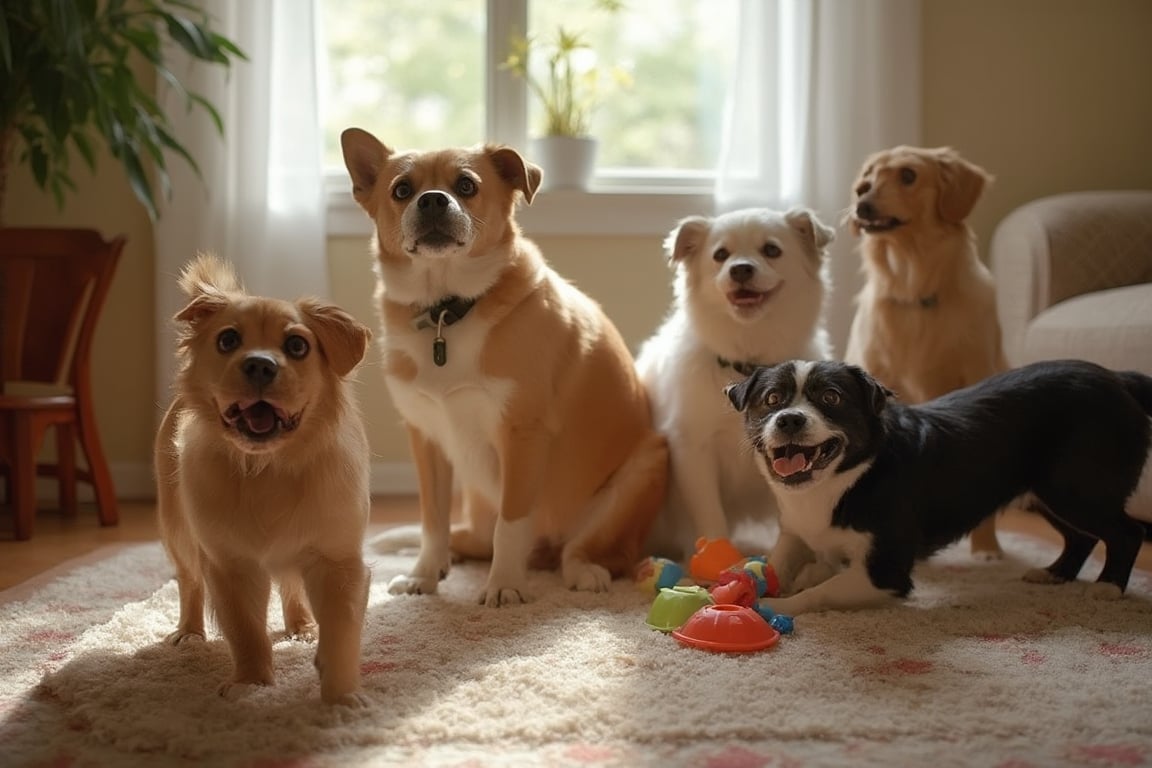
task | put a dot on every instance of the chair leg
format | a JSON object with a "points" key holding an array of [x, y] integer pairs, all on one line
{"points": [[97, 466], [66, 468], [22, 482]]}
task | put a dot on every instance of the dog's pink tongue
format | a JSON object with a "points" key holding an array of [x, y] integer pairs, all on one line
{"points": [[261, 417], [789, 465]]}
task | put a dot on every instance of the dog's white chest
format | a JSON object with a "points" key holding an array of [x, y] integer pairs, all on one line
{"points": [[807, 514], [456, 405]]}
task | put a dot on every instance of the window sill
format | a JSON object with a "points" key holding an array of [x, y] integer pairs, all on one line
{"points": [[610, 211]]}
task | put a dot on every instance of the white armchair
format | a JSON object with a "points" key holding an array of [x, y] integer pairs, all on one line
{"points": [[1074, 280]]}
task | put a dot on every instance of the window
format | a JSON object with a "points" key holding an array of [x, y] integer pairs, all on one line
{"points": [[427, 74]]}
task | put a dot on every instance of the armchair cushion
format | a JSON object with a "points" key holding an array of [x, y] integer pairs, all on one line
{"points": [[1110, 327], [1074, 280]]}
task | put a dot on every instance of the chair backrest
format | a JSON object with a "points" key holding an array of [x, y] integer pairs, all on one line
{"points": [[53, 283]]}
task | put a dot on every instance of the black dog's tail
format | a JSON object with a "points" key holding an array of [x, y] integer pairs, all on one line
{"points": [[1140, 387]]}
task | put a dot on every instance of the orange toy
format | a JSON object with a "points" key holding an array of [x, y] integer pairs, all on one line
{"points": [[712, 557]]}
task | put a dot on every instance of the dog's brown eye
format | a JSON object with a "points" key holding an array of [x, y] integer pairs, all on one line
{"points": [[721, 254], [296, 347], [773, 399], [402, 191], [863, 189], [228, 340], [466, 187], [907, 176], [831, 397], [771, 250]]}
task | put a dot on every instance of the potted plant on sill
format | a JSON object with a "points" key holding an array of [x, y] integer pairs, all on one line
{"points": [[568, 87], [66, 80]]}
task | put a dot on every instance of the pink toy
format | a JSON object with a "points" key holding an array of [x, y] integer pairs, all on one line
{"points": [[735, 589]]}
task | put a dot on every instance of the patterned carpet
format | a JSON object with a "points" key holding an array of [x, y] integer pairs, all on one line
{"points": [[977, 668]]}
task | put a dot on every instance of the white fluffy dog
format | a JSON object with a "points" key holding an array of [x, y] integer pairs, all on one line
{"points": [[749, 290]]}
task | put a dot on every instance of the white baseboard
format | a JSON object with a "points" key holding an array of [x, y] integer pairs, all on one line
{"points": [[133, 480]]}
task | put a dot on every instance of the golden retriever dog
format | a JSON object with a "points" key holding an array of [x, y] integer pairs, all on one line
{"points": [[507, 377], [926, 321], [262, 474], [749, 291]]}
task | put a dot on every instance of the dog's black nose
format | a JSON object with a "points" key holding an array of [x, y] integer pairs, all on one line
{"points": [[433, 202], [865, 210], [260, 368], [791, 422], [741, 273]]}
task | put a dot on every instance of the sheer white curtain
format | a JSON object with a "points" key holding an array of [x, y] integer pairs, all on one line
{"points": [[260, 202], [820, 85]]}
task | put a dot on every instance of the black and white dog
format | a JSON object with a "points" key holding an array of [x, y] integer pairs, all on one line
{"points": [[867, 485]]}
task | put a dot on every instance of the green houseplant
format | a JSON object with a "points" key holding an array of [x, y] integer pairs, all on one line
{"points": [[567, 88], [66, 81], [561, 74]]}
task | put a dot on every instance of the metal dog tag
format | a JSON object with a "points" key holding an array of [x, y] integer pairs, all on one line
{"points": [[439, 345]]}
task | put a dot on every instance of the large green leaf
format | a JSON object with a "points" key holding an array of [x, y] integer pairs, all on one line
{"points": [[68, 78]]}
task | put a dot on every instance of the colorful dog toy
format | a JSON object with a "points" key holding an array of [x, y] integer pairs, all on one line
{"points": [[736, 585]]}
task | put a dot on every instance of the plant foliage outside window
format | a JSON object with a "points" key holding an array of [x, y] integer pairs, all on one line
{"points": [[414, 74]]}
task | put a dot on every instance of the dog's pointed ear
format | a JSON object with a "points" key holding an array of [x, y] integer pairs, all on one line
{"points": [[343, 339], [207, 280], [517, 171], [687, 238], [813, 233], [877, 395], [364, 156], [961, 184], [738, 393]]}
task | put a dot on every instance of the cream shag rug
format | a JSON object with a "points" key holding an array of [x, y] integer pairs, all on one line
{"points": [[978, 668]]}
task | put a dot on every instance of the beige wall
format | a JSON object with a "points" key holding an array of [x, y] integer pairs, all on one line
{"points": [[1049, 95]]}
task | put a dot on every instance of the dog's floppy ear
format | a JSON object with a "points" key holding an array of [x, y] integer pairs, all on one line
{"points": [[364, 156], [687, 238], [813, 232], [207, 280], [877, 394], [343, 339], [517, 171], [961, 184], [739, 393]]}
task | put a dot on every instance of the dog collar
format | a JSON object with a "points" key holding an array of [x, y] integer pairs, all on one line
{"points": [[742, 367], [447, 311], [452, 308]]}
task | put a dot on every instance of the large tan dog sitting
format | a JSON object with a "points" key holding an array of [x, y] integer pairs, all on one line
{"points": [[505, 374], [926, 321], [262, 474]]}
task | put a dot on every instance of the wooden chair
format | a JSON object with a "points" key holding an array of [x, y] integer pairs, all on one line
{"points": [[53, 283]]}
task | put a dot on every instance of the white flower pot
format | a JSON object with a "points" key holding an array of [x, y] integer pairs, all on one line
{"points": [[568, 162]]}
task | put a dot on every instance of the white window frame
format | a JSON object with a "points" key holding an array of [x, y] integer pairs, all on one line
{"points": [[616, 204]]}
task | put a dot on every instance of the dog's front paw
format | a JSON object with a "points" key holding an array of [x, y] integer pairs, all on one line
{"points": [[1104, 590], [812, 574], [412, 584], [587, 577], [234, 691], [183, 637], [495, 596], [354, 700], [1042, 576]]}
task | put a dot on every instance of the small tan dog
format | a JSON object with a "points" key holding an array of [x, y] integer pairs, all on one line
{"points": [[926, 321], [262, 473], [505, 374]]}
